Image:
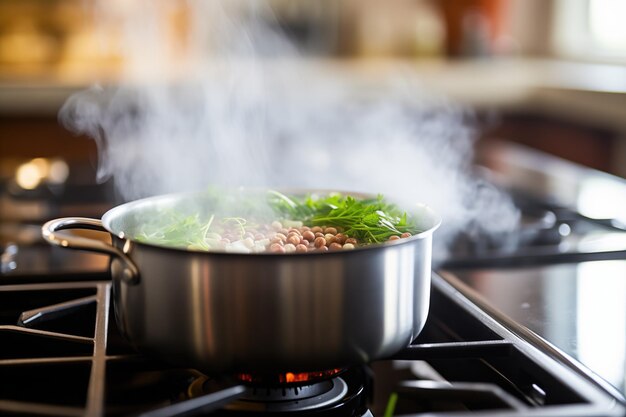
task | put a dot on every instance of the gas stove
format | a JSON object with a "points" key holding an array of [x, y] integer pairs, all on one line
{"points": [[62, 355], [503, 337]]}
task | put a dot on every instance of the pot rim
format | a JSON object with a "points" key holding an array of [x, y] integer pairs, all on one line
{"points": [[119, 211]]}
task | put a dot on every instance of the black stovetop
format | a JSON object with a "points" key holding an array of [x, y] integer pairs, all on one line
{"points": [[61, 354]]}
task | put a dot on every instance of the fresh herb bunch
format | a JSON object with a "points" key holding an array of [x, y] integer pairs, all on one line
{"points": [[370, 220], [171, 228]]}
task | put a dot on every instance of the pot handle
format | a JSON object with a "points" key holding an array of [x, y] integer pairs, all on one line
{"points": [[130, 273]]}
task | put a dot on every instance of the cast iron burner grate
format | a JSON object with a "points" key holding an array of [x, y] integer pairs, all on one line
{"points": [[61, 355]]}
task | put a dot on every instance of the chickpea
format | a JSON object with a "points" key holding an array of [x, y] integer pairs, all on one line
{"points": [[259, 236], [330, 238], [280, 236], [405, 235], [341, 238], [277, 240], [351, 240], [289, 248], [293, 239], [348, 246], [316, 229], [305, 229], [301, 249], [331, 230], [276, 225], [322, 249], [304, 242], [284, 231], [319, 234], [394, 237], [276, 248], [308, 235], [319, 242], [335, 246]]}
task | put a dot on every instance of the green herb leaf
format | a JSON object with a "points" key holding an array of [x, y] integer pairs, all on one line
{"points": [[371, 219], [367, 220]]}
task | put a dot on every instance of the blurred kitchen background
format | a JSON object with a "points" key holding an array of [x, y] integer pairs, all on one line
{"points": [[549, 74]]}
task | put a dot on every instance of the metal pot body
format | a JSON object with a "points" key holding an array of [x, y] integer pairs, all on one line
{"points": [[262, 313]]}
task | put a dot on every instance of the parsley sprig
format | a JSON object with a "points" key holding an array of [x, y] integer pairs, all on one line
{"points": [[370, 220]]}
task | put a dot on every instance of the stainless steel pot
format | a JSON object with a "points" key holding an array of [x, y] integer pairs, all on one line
{"points": [[260, 313]]}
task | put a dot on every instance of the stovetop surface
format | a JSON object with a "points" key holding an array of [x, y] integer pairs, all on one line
{"points": [[579, 307]]}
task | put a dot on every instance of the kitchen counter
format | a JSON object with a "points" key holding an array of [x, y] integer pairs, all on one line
{"points": [[560, 183], [595, 93], [579, 109], [591, 93]]}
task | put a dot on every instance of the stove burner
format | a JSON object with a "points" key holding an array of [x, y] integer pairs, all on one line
{"points": [[292, 399], [288, 377], [276, 399]]}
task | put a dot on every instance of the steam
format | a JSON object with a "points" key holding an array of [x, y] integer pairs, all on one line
{"points": [[231, 103]]}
